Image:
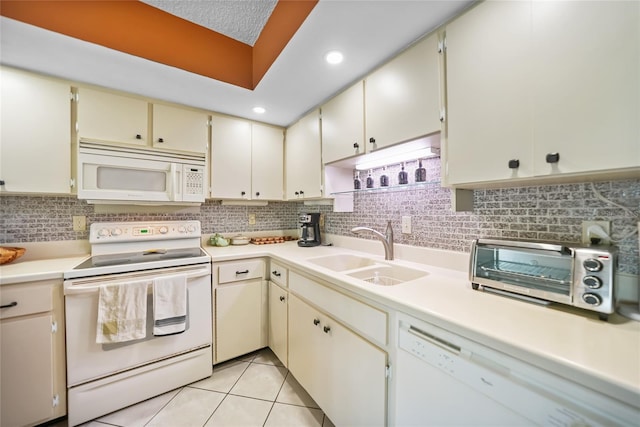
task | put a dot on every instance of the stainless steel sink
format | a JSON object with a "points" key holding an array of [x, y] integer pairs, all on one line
{"points": [[388, 275], [342, 262]]}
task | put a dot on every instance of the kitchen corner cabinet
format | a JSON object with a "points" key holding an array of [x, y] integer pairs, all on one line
{"points": [[246, 160], [303, 161], [32, 371], [540, 89], [35, 117], [402, 98], [241, 308], [106, 116], [342, 372], [180, 129], [343, 125]]}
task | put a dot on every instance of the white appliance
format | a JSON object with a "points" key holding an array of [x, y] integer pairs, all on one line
{"points": [[444, 379], [102, 378], [120, 174]]}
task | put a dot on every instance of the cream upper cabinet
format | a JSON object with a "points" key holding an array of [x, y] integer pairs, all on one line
{"points": [[489, 108], [180, 129], [109, 117], [303, 163], [246, 160], [267, 162], [586, 85], [35, 118], [402, 98], [539, 89], [343, 125], [230, 158]]}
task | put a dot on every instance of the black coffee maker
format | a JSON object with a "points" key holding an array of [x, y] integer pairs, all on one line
{"points": [[310, 229]]}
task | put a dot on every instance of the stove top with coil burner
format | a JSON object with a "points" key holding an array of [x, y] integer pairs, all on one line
{"points": [[121, 247]]}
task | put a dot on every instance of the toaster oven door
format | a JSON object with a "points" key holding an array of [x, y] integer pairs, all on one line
{"points": [[545, 274]]}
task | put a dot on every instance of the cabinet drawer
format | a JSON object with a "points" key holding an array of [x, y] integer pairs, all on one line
{"points": [[242, 270], [29, 298], [364, 318], [279, 274]]}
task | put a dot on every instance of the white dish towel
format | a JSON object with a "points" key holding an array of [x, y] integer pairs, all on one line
{"points": [[122, 312], [169, 305]]}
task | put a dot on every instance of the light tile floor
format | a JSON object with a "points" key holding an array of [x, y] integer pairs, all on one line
{"points": [[252, 390]]}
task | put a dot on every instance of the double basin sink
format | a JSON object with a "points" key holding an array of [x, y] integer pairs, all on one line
{"points": [[367, 269]]}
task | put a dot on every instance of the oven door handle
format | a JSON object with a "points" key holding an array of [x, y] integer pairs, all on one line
{"points": [[93, 284]]}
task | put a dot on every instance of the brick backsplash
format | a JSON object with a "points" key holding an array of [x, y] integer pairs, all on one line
{"points": [[549, 212]]}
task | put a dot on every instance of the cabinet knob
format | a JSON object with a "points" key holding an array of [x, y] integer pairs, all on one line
{"points": [[282, 298], [316, 322], [553, 157], [257, 193], [11, 304], [297, 193], [138, 136], [372, 140], [301, 192], [160, 139], [1, 181], [514, 164], [326, 329], [242, 193], [356, 145]]}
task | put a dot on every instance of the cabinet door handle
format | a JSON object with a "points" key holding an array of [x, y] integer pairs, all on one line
{"points": [[514, 164], [1, 181], [356, 145], [138, 136], [160, 140], [11, 304], [316, 322], [326, 329], [301, 192], [257, 193], [297, 193], [242, 272], [553, 158], [275, 273], [372, 140], [282, 298], [242, 193]]}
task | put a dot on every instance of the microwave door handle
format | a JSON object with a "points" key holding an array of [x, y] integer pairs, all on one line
{"points": [[175, 183]]}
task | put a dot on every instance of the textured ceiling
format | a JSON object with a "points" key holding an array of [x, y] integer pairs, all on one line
{"points": [[242, 20]]}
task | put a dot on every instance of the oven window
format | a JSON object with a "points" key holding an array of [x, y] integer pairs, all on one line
{"points": [[541, 270], [112, 178]]}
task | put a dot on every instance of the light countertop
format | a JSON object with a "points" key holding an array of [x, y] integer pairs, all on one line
{"points": [[575, 344]]}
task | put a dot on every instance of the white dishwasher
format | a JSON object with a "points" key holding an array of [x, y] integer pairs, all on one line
{"points": [[444, 379]]}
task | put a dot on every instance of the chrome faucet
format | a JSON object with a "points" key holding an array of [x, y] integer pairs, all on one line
{"points": [[386, 239]]}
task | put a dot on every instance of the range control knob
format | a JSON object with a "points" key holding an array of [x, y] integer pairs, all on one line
{"points": [[191, 228], [592, 264], [592, 282], [592, 299], [181, 229], [163, 230], [116, 232], [103, 232]]}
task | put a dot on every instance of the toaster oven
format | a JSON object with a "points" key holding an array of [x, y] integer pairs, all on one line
{"points": [[579, 276]]}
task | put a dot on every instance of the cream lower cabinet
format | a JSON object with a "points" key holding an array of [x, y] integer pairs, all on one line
{"points": [[344, 373], [32, 361], [240, 309], [278, 318], [35, 117]]}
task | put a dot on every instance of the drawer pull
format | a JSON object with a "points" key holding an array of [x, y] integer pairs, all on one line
{"points": [[327, 329], [275, 273], [11, 304], [316, 322], [282, 298], [242, 272]]}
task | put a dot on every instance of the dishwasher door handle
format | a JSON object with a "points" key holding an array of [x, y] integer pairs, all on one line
{"points": [[439, 342]]}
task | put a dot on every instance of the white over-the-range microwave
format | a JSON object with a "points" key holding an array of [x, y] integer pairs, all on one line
{"points": [[119, 174]]}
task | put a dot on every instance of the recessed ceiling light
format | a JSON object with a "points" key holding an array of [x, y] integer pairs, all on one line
{"points": [[334, 57], [259, 110]]}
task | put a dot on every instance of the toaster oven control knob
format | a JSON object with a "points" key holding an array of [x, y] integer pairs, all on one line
{"points": [[592, 264], [592, 282], [592, 299]]}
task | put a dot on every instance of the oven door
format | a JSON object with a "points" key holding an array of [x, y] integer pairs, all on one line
{"points": [[87, 360]]}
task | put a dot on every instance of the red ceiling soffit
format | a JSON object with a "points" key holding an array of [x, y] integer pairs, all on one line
{"points": [[138, 29]]}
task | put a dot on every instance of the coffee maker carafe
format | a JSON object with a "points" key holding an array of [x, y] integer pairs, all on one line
{"points": [[310, 229]]}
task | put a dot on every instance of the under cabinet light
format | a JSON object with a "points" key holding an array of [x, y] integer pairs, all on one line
{"points": [[413, 150]]}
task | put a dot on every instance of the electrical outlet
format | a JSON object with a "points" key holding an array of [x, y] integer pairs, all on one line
{"points": [[79, 223], [588, 235], [321, 221], [252, 219], [406, 225]]}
